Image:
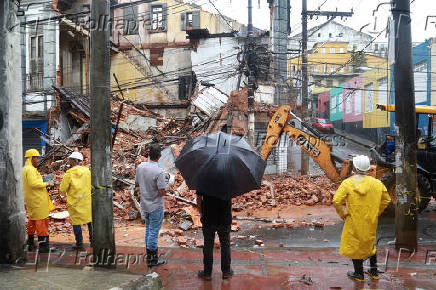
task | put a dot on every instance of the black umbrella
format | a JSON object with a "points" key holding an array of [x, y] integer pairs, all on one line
{"points": [[220, 165]]}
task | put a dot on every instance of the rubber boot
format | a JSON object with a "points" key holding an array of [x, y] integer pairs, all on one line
{"points": [[155, 259], [357, 275], [30, 243], [79, 247], [149, 258], [44, 245]]}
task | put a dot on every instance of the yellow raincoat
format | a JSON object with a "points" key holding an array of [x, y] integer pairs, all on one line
{"points": [[38, 202], [76, 183], [366, 198]]}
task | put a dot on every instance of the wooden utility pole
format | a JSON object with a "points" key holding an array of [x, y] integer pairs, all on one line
{"points": [[305, 83], [101, 165], [12, 214], [405, 126]]}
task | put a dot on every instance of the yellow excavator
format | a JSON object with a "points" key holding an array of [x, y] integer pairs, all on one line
{"points": [[320, 150]]}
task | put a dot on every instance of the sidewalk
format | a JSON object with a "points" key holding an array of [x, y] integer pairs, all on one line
{"points": [[255, 268]]}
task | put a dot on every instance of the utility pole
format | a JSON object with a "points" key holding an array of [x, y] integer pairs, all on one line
{"points": [[405, 126], [12, 214], [101, 165], [304, 84], [251, 77]]}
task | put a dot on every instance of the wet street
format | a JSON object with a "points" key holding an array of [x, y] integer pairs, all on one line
{"points": [[330, 235]]}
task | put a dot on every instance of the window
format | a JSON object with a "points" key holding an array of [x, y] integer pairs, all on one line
{"points": [[341, 50], [156, 56], [341, 34], [33, 47], [158, 17], [349, 101], [323, 50], [329, 83], [190, 20], [324, 68], [376, 47], [36, 47], [358, 102], [350, 68], [293, 68], [369, 98], [332, 68], [382, 91], [131, 24], [330, 34], [420, 75], [342, 69], [332, 50], [319, 34], [186, 86], [315, 68], [340, 103]]}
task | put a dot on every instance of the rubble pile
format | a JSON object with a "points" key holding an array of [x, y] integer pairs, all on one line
{"points": [[288, 190], [138, 128], [129, 150]]}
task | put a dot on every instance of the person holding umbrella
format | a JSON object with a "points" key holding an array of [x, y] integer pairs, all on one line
{"points": [[366, 198], [219, 167], [216, 217], [76, 184]]}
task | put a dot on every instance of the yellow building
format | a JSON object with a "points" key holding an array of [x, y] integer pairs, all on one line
{"points": [[376, 91], [329, 65]]}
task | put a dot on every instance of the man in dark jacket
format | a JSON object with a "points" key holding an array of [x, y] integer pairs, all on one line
{"points": [[216, 216]]}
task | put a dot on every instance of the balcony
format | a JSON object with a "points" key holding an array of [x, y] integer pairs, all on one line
{"points": [[35, 82]]}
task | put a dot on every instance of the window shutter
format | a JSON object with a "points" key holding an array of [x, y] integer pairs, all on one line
{"points": [[164, 17], [182, 21], [196, 19]]}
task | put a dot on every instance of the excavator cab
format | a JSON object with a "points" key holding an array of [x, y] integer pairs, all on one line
{"points": [[426, 161]]}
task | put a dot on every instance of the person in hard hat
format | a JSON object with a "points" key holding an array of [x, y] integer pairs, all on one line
{"points": [[365, 200], [76, 184], [37, 201]]}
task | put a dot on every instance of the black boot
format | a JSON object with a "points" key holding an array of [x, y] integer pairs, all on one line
{"points": [[149, 257], [155, 259], [30, 243], [79, 247], [44, 245], [357, 275]]}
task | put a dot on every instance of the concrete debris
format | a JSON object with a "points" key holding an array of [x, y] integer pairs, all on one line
{"points": [[185, 225]]}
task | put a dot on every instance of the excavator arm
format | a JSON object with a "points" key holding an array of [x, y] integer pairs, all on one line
{"points": [[319, 150]]}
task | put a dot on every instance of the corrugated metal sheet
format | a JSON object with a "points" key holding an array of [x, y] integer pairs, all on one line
{"points": [[210, 100]]}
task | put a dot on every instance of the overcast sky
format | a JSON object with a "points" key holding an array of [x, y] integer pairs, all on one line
{"points": [[423, 13]]}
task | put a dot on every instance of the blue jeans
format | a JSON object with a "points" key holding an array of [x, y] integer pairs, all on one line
{"points": [[77, 229], [153, 223]]}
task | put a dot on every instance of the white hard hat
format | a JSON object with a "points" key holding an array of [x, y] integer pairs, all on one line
{"points": [[361, 163], [76, 155]]}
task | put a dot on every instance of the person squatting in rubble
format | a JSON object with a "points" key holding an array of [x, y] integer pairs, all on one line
{"points": [[76, 184], [365, 198], [37, 201], [152, 182]]}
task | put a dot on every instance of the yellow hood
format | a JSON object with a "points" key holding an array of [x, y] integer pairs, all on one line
{"points": [[361, 186]]}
